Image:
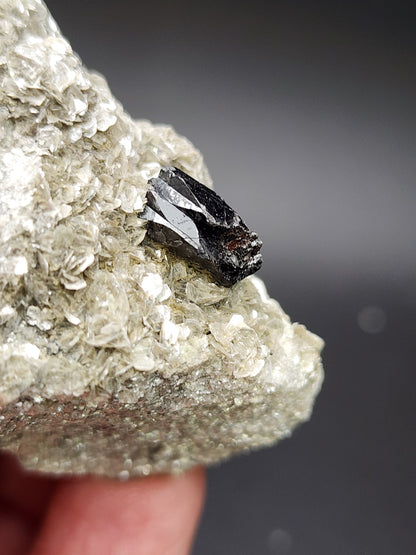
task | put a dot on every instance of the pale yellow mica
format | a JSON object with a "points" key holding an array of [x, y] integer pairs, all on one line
{"points": [[116, 357]]}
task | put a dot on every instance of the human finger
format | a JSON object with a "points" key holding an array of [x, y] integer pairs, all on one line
{"points": [[152, 516]]}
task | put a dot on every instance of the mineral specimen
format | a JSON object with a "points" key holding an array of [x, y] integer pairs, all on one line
{"points": [[116, 356], [195, 223]]}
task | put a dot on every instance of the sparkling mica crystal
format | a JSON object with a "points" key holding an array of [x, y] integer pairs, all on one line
{"points": [[194, 222], [117, 357]]}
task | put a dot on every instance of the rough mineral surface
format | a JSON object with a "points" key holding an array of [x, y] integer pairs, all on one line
{"points": [[116, 357]]}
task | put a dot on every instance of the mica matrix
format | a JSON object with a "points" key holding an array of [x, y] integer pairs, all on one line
{"points": [[117, 357]]}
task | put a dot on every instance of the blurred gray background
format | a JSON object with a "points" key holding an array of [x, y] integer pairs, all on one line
{"points": [[305, 113]]}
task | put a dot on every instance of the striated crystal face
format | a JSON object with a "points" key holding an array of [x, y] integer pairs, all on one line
{"points": [[196, 224]]}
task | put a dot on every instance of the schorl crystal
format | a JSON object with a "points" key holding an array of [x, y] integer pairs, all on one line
{"points": [[197, 225]]}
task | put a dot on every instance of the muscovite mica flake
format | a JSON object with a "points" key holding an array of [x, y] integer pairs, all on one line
{"points": [[117, 357]]}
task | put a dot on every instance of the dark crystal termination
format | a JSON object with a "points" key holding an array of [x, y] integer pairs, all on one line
{"points": [[197, 225]]}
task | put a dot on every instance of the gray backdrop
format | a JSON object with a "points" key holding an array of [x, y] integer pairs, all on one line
{"points": [[305, 112]]}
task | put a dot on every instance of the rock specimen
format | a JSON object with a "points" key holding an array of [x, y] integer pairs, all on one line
{"points": [[195, 223], [117, 357]]}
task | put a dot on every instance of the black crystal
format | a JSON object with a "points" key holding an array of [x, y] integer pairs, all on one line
{"points": [[196, 224]]}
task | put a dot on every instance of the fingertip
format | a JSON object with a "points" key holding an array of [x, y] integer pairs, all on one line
{"points": [[152, 516]]}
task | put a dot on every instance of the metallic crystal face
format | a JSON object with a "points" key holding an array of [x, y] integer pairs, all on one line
{"points": [[195, 223]]}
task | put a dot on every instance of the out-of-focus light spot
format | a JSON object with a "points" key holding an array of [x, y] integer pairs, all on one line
{"points": [[280, 542], [372, 319]]}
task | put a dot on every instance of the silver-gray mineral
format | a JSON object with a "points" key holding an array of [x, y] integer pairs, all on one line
{"points": [[117, 358]]}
